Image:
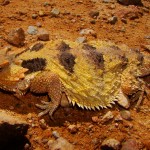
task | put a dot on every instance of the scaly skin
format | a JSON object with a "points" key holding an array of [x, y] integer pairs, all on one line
{"points": [[91, 74]]}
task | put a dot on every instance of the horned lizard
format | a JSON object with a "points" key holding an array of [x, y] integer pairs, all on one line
{"points": [[92, 75]]}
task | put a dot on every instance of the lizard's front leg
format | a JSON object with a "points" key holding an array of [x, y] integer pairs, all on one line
{"points": [[47, 82]]}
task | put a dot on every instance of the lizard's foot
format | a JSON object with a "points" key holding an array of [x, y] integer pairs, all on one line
{"points": [[47, 82], [48, 107]]}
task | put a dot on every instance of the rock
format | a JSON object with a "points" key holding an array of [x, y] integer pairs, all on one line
{"points": [[147, 37], [61, 144], [118, 118], [130, 144], [46, 4], [41, 13], [130, 2], [13, 129], [81, 39], [111, 144], [125, 114], [132, 12], [43, 35], [55, 134], [95, 119], [34, 16], [107, 117], [32, 30], [112, 20], [43, 124], [4, 2], [55, 12], [123, 100], [16, 37], [107, 1], [94, 14], [87, 32], [39, 24], [72, 129]]}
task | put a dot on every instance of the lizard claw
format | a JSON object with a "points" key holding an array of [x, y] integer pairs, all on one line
{"points": [[48, 107]]}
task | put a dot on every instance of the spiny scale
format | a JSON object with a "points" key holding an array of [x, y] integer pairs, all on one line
{"points": [[91, 77]]}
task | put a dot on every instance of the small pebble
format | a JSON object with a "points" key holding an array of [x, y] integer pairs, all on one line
{"points": [[73, 129], [16, 37], [123, 100], [81, 40], [87, 31], [34, 16], [39, 24], [95, 119], [43, 34], [43, 124], [125, 114], [55, 12], [94, 14], [55, 134], [27, 146], [107, 117], [112, 20], [32, 30], [111, 144], [60, 144], [41, 13], [130, 144]]}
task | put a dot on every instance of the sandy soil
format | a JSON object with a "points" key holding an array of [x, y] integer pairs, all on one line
{"points": [[74, 16]]}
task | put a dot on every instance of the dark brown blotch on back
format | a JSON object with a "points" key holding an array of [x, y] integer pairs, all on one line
{"points": [[88, 47], [95, 56], [35, 64], [37, 47], [67, 60], [63, 47]]}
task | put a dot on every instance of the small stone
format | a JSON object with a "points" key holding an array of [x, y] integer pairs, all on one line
{"points": [[39, 24], [61, 144], [46, 4], [112, 20], [55, 134], [106, 1], [55, 12], [94, 14], [73, 129], [123, 100], [124, 20], [130, 144], [43, 35], [130, 2], [16, 37], [93, 21], [125, 114], [32, 30], [43, 124], [107, 117], [34, 16], [118, 118], [111, 144], [27, 146], [41, 13], [95, 119], [87, 32], [4, 2], [147, 37], [81, 40]]}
